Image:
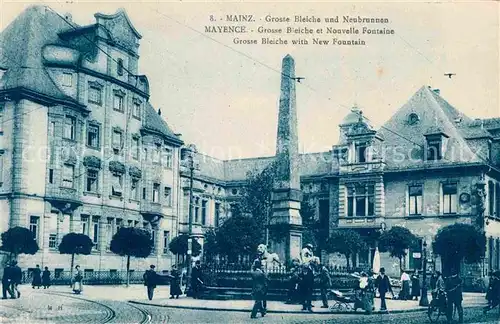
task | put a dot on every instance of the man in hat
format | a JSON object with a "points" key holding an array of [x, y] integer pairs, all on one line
{"points": [[196, 280], [150, 279]]}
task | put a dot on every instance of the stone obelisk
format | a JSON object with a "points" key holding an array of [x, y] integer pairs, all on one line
{"points": [[285, 223]]}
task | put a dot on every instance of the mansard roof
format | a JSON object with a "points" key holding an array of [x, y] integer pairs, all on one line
{"points": [[22, 42], [156, 124]]}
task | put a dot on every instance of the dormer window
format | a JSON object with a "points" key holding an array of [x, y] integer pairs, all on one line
{"points": [[435, 138], [361, 150], [119, 68], [434, 150]]}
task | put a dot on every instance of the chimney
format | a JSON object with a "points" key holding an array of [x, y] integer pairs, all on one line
{"points": [[159, 111], [68, 17], [437, 91]]}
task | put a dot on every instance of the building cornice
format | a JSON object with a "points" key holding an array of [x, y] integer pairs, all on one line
{"points": [[23, 93]]}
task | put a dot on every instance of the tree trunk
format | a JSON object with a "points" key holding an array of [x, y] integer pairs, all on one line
{"points": [[400, 265], [347, 257], [128, 269], [72, 264]]}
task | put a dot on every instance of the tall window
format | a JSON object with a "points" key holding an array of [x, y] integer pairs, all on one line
{"points": [[361, 200], [450, 198], [34, 226], [156, 153], [168, 196], [109, 232], [92, 183], [119, 102], [166, 241], [67, 79], [153, 238], [497, 198], [361, 152], [134, 149], [136, 112], [95, 95], [156, 192], [204, 212], [217, 214], [85, 225], [68, 176], [119, 68], [95, 230], [70, 127], [117, 140], [118, 224], [52, 241], [93, 136], [197, 210], [415, 200], [434, 150], [134, 182], [117, 184], [168, 158], [491, 198]]}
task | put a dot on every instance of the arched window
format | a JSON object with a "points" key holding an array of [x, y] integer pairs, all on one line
{"points": [[120, 67]]}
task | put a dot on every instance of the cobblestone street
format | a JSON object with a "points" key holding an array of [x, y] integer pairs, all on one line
{"points": [[110, 305]]}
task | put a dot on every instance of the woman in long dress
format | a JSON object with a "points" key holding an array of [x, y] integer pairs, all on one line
{"points": [[37, 279], [175, 283], [77, 280], [415, 286]]}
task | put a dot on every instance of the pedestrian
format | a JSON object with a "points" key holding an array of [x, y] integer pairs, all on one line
{"points": [[175, 283], [370, 294], [440, 291], [37, 278], [150, 280], [196, 280], [404, 294], [77, 280], [453, 286], [325, 282], [306, 287], [493, 292], [259, 288], [432, 283], [415, 286], [384, 286], [293, 284], [46, 278], [15, 279], [6, 278]]}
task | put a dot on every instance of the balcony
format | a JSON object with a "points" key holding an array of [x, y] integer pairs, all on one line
{"points": [[363, 167], [64, 199], [361, 222], [151, 211]]}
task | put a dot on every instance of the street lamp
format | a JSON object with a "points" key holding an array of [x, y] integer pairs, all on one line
{"points": [[190, 226], [424, 301]]}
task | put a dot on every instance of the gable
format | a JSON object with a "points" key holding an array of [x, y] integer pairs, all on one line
{"points": [[405, 141], [120, 27]]}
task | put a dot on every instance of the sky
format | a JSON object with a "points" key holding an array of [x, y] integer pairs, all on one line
{"points": [[224, 97]]}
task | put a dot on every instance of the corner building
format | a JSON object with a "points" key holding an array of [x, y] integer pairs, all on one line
{"points": [[82, 149]]}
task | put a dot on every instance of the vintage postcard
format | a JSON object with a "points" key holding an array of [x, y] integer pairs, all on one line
{"points": [[233, 161]]}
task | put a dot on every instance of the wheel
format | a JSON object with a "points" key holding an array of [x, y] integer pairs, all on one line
{"points": [[433, 312], [341, 308]]}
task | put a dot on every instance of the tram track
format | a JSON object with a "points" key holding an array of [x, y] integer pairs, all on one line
{"points": [[111, 313]]}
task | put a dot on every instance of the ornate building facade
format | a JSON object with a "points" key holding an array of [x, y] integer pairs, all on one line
{"points": [[83, 150]]}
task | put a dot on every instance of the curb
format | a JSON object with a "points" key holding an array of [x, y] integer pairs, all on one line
{"points": [[397, 311]]}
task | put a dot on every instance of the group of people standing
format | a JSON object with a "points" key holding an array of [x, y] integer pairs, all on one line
{"points": [[41, 278], [151, 278], [406, 282]]}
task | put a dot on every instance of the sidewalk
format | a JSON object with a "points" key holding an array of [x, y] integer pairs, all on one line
{"points": [[137, 294]]}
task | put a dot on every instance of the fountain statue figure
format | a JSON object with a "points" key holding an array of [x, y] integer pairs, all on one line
{"points": [[269, 260]]}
